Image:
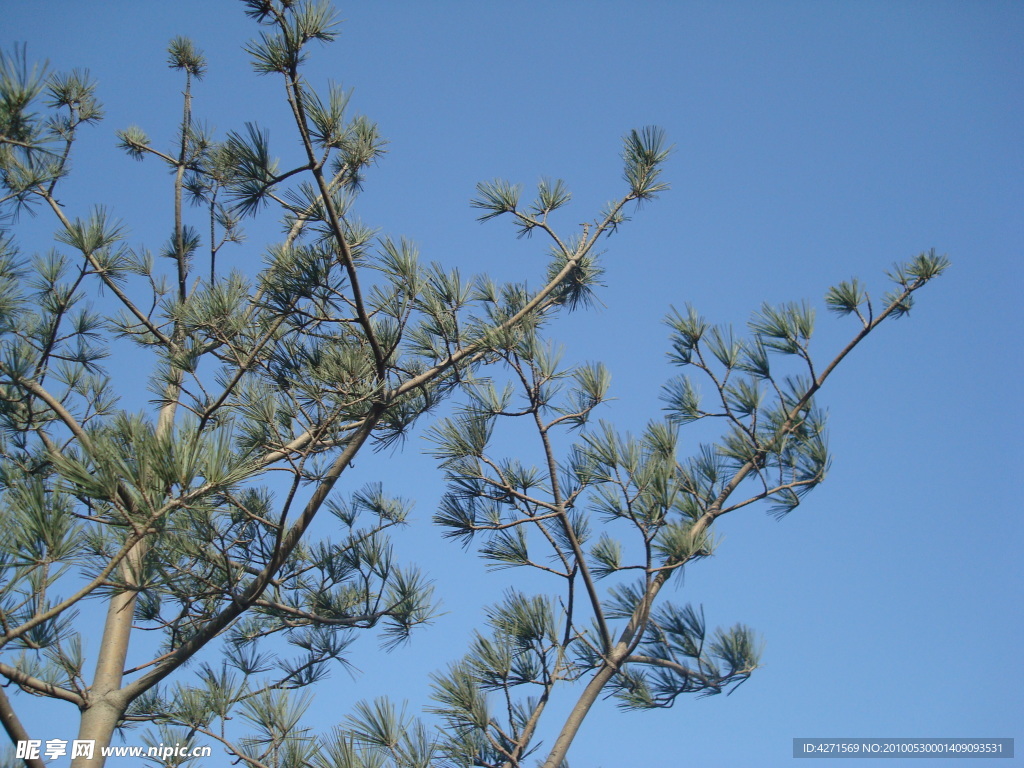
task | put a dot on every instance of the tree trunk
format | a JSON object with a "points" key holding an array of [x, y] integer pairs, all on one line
{"points": [[579, 713], [106, 705]]}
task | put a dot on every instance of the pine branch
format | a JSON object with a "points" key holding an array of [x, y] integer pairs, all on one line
{"points": [[296, 101], [35, 685], [105, 276], [15, 730], [254, 590]]}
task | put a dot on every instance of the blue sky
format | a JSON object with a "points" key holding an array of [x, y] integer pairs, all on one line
{"points": [[814, 142]]}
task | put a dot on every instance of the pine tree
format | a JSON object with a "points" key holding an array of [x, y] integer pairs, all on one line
{"points": [[190, 520]]}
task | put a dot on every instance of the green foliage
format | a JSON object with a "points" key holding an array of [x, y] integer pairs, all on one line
{"points": [[495, 198], [644, 155], [652, 509], [254, 171], [193, 514], [550, 197], [846, 297], [19, 88], [182, 54]]}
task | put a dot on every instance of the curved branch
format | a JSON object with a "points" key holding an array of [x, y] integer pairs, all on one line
{"points": [[14, 728], [653, 661], [24, 680]]}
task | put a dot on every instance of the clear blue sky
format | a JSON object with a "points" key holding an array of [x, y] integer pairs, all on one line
{"points": [[814, 142]]}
